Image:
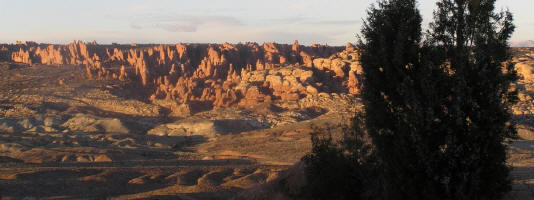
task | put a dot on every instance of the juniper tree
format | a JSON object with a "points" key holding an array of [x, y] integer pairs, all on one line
{"points": [[403, 93], [393, 77], [436, 112], [473, 40]]}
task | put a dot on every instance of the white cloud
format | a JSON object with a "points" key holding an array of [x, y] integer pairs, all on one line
{"points": [[178, 27], [183, 23]]}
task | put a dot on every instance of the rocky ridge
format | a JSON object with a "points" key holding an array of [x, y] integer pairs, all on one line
{"points": [[204, 76]]}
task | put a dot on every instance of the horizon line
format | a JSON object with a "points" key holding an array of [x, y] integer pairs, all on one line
{"points": [[143, 43]]}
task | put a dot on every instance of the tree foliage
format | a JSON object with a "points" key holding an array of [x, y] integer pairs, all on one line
{"points": [[473, 40], [331, 174], [437, 111]]}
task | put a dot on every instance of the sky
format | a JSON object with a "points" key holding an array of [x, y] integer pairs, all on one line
{"points": [[333, 22]]}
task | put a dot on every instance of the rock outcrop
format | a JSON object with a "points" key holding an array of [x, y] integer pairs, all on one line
{"points": [[89, 123], [209, 75]]}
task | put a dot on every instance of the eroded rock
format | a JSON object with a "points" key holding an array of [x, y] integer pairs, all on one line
{"points": [[89, 123], [207, 74]]}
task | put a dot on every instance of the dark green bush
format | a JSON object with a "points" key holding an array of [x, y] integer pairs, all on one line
{"points": [[436, 112]]}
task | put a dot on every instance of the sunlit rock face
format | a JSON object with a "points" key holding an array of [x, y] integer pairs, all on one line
{"points": [[216, 75]]}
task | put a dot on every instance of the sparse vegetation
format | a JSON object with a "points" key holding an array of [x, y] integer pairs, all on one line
{"points": [[331, 175]]}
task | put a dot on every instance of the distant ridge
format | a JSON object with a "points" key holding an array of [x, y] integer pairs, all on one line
{"points": [[526, 43]]}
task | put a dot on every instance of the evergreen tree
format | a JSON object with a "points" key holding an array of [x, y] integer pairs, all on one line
{"points": [[402, 94], [473, 39], [436, 112]]}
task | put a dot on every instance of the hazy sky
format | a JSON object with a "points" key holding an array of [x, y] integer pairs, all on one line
{"points": [[170, 21]]}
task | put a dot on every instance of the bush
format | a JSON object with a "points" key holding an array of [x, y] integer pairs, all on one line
{"points": [[331, 175]]}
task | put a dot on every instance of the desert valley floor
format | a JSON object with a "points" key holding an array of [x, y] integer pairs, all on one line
{"points": [[66, 136]]}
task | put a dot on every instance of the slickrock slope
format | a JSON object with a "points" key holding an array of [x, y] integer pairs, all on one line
{"points": [[209, 75]]}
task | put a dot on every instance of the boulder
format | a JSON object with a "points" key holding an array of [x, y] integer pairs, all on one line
{"points": [[112, 125], [526, 71], [8, 126], [89, 123], [27, 123], [311, 90], [82, 122], [274, 80], [102, 158], [51, 122], [206, 128], [186, 128], [525, 133]]}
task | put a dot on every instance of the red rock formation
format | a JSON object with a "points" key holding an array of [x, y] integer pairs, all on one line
{"points": [[217, 74], [22, 57]]}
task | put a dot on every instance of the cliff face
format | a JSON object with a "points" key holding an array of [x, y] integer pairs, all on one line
{"points": [[215, 75]]}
